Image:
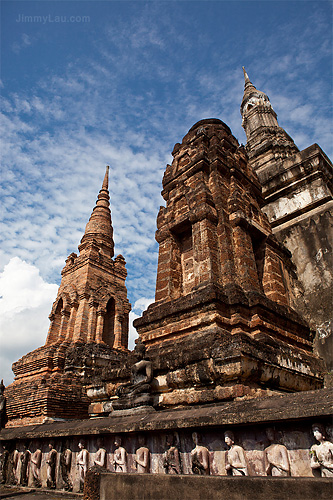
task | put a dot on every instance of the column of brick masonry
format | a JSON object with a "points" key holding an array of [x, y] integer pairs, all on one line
{"points": [[117, 327], [71, 323], [273, 282], [92, 321], [220, 190], [54, 328], [65, 315], [100, 325], [244, 260], [81, 322], [168, 270], [205, 251]]}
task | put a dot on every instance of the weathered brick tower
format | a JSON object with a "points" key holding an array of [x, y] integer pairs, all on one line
{"points": [[88, 330], [298, 199], [221, 316]]}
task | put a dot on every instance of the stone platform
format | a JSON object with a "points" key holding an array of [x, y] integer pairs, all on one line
{"points": [[164, 487], [290, 414]]}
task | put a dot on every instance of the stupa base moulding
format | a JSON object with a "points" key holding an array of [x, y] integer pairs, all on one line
{"points": [[291, 416]]}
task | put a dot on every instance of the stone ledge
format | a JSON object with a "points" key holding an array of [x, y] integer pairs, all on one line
{"points": [[164, 487], [287, 407]]}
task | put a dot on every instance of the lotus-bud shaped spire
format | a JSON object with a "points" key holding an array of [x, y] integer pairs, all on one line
{"points": [[99, 227]]}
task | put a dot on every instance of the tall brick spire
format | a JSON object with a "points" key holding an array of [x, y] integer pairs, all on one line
{"points": [[99, 228], [92, 297], [89, 328]]}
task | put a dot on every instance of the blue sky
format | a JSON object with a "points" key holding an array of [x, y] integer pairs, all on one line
{"points": [[88, 84]]}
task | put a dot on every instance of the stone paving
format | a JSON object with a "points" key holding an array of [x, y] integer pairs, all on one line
{"points": [[11, 493]]}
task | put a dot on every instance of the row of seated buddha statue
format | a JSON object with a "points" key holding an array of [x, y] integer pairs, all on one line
{"points": [[276, 460]]}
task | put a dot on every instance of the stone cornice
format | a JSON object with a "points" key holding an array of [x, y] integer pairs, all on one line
{"points": [[309, 405]]}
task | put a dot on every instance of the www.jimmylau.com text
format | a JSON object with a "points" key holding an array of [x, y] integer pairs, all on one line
{"points": [[52, 19]]}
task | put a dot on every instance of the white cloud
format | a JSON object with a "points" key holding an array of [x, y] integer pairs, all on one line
{"points": [[132, 334], [23, 43], [25, 303], [140, 305]]}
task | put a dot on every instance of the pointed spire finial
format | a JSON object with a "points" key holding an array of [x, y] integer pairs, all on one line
{"points": [[105, 184], [248, 85], [246, 76], [249, 89], [99, 227]]}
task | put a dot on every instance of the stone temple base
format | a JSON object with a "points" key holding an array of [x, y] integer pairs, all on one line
{"points": [[291, 414], [164, 487]]}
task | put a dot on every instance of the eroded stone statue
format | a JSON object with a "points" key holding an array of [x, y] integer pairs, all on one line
{"points": [[137, 392], [4, 459], [36, 462], [199, 457], [171, 459], [276, 456], [13, 466], [51, 462], [142, 457], [65, 467], [100, 455], [120, 456], [25, 465], [321, 455], [82, 462], [236, 464]]}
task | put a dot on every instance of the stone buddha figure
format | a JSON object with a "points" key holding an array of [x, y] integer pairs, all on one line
{"points": [[120, 456], [199, 457], [100, 455], [171, 459], [65, 466], [136, 393], [36, 461], [82, 462], [4, 456], [236, 464], [25, 465], [51, 461], [142, 456], [321, 455], [276, 456], [13, 461]]}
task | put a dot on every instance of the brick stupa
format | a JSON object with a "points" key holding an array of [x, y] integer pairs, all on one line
{"points": [[221, 325], [88, 330]]}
